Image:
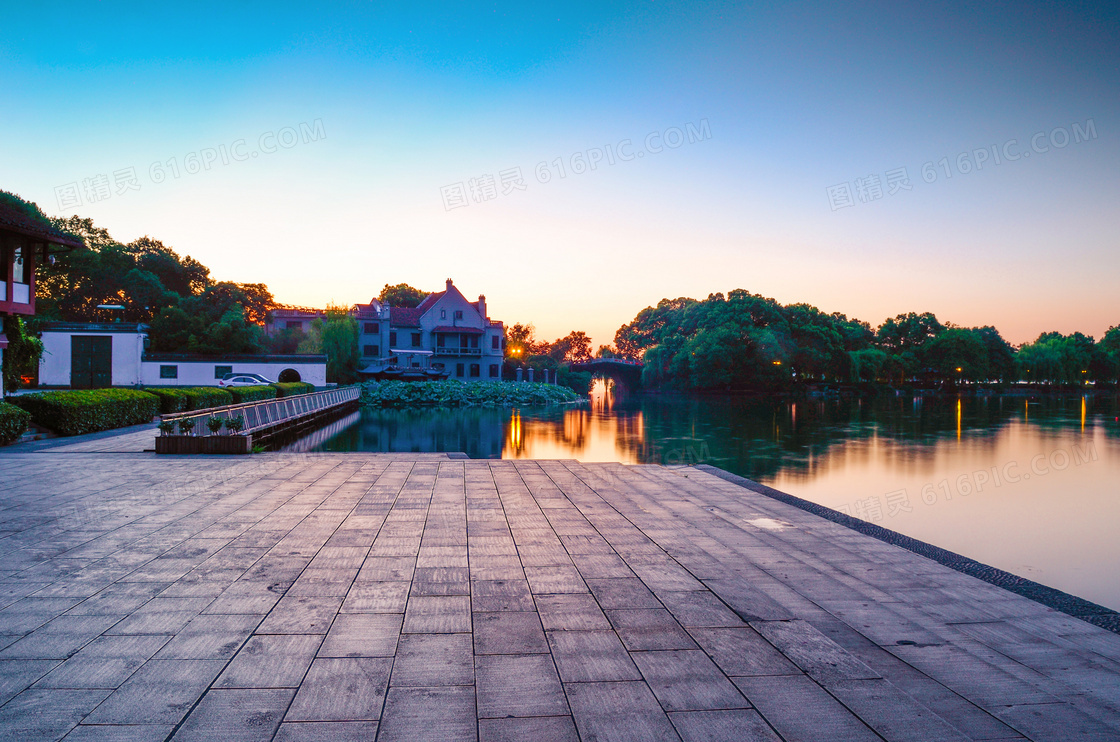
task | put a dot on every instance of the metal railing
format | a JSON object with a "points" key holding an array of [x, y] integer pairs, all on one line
{"points": [[267, 413]]}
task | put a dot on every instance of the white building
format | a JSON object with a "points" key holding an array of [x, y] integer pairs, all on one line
{"points": [[92, 356]]}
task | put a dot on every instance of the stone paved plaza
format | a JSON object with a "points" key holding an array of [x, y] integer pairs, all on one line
{"points": [[418, 597]]}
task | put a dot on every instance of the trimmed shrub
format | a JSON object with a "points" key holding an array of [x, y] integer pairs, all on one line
{"points": [[170, 400], [455, 393], [189, 398], [252, 393], [87, 411], [205, 397], [13, 422], [292, 388]]}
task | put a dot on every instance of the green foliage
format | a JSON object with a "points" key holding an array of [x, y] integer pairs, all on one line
{"points": [[401, 295], [252, 393], [13, 421], [235, 424], [23, 353], [186, 425], [1065, 359], [190, 398], [87, 411], [340, 343], [187, 311], [292, 388], [214, 424], [454, 393], [220, 321], [166, 427], [144, 276]]}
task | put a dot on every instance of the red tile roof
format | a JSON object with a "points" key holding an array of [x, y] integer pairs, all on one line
{"points": [[429, 301], [405, 316]]}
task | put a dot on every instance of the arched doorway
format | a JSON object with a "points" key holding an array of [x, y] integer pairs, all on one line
{"points": [[289, 375]]}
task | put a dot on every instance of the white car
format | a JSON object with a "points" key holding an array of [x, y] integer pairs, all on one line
{"points": [[243, 379]]}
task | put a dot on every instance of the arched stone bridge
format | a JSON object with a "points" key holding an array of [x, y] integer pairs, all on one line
{"points": [[629, 373]]}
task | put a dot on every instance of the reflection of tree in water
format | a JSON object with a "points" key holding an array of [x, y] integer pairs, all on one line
{"points": [[757, 437]]}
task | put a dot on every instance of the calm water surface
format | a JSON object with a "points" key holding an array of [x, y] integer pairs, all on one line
{"points": [[1031, 486]]}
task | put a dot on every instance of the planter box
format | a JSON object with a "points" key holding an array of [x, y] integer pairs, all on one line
{"points": [[208, 444]]}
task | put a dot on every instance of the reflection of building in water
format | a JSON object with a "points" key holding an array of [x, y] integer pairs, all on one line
{"points": [[476, 432]]}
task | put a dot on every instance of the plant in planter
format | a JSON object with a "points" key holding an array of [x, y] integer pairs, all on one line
{"points": [[235, 424], [215, 424], [186, 425], [166, 427]]}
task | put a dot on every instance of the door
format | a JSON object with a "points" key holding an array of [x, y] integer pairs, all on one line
{"points": [[91, 362]]}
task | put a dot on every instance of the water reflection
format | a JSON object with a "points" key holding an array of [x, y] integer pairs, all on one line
{"points": [[1025, 484]]}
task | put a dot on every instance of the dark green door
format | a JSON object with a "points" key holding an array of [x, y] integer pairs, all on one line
{"points": [[91, 362]]}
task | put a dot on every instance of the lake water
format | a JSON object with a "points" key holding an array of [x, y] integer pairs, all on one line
{"points": [[1029, 485]]}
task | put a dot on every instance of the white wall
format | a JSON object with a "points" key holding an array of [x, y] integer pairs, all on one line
{"points": [[201, 373], [54, 366], [130, 370]]}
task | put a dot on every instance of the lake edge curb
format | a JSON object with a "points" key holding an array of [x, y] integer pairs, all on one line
{"points": [[1071, 605]]}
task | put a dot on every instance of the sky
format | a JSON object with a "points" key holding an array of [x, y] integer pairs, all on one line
{"points": [[577, 162]]}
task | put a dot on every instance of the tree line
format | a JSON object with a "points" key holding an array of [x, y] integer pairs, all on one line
{"points": [[746, 341]]}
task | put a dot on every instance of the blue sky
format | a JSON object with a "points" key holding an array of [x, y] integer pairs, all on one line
{"points": [[389, 113]]}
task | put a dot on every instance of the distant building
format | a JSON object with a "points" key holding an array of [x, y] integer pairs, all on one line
{"points": [[446, 332], [292, 318], [21, 239]]}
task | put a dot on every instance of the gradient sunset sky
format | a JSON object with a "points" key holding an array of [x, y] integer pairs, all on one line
{"points": [[802, 117]]}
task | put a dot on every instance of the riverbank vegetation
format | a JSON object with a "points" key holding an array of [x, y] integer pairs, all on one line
{"points": [[454, 393], [746, 341]]}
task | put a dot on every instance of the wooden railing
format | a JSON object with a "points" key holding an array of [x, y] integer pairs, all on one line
{"points": [[269, 413]]}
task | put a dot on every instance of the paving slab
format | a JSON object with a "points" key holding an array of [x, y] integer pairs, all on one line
{"points": [[313, 597]]}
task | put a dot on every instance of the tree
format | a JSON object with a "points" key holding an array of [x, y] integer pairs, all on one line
{"points": [[958, 348], [339, 335], [23, 352], [401, 295], [574, 347], [1109, 346]]}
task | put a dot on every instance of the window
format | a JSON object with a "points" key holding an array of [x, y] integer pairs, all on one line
{"points": [[459, 370], [474, 341], [495, 342], [19, 269], [440, 337], [415, 340], [458, 314], [475, 371], [371, 351], [293, 324], [372, 328], [220, 371], [443, 314], [495, 370], [392, 338], [169, 372]]}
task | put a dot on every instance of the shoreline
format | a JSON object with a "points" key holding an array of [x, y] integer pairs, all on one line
{"points": [[1071, 605]]}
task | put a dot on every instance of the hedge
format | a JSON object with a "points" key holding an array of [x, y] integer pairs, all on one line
{"points": [[455, 393], [87, 411], [252, 393], [292, 388], [189, 398], [13, 422]]}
